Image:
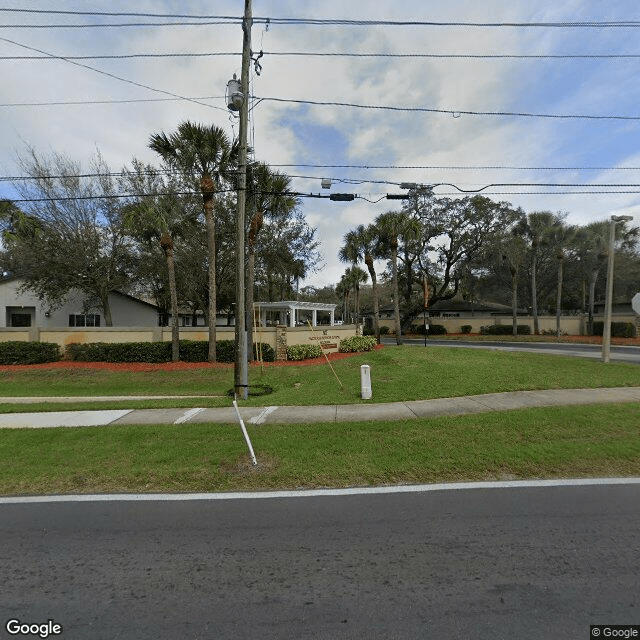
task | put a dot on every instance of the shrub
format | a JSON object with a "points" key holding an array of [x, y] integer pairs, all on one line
{"points": [[618, 329], [357, 343], [368, 331], [190, 351], [19, 352], [384, 330], [266, 350], [303, 351], [434, 330], [505, 330], [120, 352], [465, 328]]}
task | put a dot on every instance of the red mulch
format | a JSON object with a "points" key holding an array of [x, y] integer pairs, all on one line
{"points": [[168, 366]]}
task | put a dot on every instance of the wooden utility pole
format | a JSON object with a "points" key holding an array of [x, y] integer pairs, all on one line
{"points": [[241, 378]]}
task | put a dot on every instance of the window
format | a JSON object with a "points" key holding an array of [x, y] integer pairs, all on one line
{"points": [[20, 319], [84, 320]]}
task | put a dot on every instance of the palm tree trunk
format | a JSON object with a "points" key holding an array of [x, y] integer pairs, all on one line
{"points": [[559, 295], [592, 296], [396, 292], [374, 291], [175, 330], [514, 301], [534, 291], [166, 242], [211, 246]]}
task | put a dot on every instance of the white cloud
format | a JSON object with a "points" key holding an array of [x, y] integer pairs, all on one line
{"points": [[287, 133]]}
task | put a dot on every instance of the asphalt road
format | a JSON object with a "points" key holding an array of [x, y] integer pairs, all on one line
{"points": [[529, 563], [618, 353]]}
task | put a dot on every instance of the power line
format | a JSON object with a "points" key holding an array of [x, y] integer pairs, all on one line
{"points": [[216, 19], [96, 102], [348, 54], [452, 112], [110, 75]]}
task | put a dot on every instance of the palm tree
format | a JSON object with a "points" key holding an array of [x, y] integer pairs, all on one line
{"points": [[514, 250], [390, 226], [563, 236], [539, 225], [359, 245], [202, 154], [156, 216], [593, 243], [268, 194], [343, 289]]}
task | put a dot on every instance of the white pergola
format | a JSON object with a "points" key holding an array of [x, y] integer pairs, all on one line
{"points": [[288, 311]]}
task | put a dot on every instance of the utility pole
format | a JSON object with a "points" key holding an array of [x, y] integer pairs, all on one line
{"points": [[241, 377]]}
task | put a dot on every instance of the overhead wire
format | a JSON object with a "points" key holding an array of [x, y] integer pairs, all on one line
{"points": [[110, 75], [452, 112], [347, 54]]}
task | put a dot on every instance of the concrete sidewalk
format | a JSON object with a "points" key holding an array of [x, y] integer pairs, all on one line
{"points": [[321, 413]]}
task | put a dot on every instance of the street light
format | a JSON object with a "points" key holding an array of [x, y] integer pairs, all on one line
{"points": [[606, 331]]}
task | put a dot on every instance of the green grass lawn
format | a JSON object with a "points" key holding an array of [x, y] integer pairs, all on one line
{"points": [[533, 443], [397, 374]]}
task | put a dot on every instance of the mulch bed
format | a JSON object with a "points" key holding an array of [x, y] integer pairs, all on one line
{"points": [[170, 366]]}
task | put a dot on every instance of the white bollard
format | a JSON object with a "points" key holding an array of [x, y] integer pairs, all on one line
{"points": [[365, 382]]}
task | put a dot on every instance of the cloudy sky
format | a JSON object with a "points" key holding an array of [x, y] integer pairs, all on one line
{"points": [[454, 87]]}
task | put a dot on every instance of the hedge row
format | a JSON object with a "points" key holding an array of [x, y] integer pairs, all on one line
{"points": [[153, 352], [618, 329], [434, 330], [505, 330], [304, 351], [28, 352], [357, 343]]}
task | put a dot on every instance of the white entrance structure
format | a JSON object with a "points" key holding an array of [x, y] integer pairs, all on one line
{"points": [[292, 313]]}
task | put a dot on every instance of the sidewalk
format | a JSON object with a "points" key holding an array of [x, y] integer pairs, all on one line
{"points": [[319, 413]]}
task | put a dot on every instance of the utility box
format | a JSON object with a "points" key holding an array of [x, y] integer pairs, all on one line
{"points": [[365, 382]]}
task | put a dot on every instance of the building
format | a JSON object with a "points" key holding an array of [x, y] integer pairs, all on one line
{"points": [[23, 309]]}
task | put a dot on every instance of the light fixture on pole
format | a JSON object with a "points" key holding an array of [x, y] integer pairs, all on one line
{"points": [[606, 330]]}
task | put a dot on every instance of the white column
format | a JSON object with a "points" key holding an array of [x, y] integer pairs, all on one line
{"points": [[292, 316], [314, 317]]}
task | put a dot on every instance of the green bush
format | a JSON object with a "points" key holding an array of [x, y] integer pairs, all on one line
{"points": [[19, 352], [434, 330], [618, 329], [384, 330], [357, 343], [190, 351], [368, 331], [120, 352], [505, 330], [303, 351], [266, 350], [465, 328]]}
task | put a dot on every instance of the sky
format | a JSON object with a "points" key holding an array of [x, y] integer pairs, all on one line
{"points": [[464, 135]]}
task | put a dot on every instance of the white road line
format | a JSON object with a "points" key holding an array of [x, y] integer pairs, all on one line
{"points": [[312, 493], [259, 419], [187, 415]]}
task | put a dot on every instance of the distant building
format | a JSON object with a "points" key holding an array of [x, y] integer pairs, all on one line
{"points": [[24, 309]]}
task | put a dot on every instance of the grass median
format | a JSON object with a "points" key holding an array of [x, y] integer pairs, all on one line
{"points": [[590, 441], [397, 374], [583, 441]]}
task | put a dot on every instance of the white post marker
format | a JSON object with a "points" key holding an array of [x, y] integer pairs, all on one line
{"points": [[365, 382], [246, 435]]}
